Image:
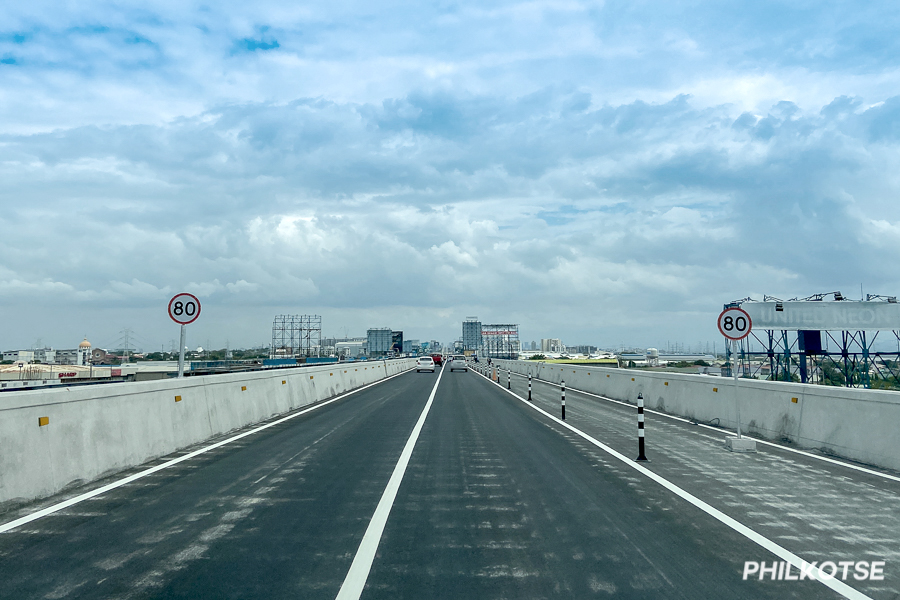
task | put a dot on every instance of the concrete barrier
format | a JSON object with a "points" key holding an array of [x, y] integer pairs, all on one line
{"points": [[52, 439], [858, 424]]}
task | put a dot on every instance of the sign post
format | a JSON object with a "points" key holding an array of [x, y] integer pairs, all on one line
{"points": [[184, 309], [735, 324]]}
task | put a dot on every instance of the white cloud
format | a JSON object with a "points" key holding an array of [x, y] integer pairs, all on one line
{"points": [[587, 171]]}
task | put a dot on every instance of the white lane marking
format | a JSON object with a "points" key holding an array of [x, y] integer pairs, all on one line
{"points": [[102, 490], [362, 563], [722, 429], [836, 585]]}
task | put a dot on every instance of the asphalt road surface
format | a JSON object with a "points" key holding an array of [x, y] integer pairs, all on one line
{"points": [[497, 501]]}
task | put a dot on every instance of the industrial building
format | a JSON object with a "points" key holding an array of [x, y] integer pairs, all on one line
{"points": [[354, 348]]}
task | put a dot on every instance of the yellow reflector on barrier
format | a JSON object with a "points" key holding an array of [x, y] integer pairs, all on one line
{"points": [[243, 388], [310, 376], [666, 383], [794, 400], [177, 398], [715, 389], [283, 382], [43, 421]]}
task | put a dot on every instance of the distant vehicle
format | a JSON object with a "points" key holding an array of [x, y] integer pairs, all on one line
{"points": [[425, 363], [438, 359], [458, 362]]}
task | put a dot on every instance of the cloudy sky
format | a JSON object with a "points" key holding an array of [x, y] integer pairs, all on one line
{"points": [[602, 172]]}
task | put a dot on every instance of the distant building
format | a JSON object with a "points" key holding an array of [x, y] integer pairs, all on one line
{"points": [[25, 356], [49, 356], [84, 353], [471, 334], [350, 348], [378, 341], [552, 345], [67, 357]]}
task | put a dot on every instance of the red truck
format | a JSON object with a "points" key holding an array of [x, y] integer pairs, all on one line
{"points": [[438, 359]]}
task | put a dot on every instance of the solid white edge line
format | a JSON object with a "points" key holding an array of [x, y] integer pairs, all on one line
{"points": [[111, 486], [362, 563], [836, 585], [724, 430]]}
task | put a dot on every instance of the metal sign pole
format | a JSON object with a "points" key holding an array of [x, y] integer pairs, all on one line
{"points": [[181, 354], [734, 373], [735, 324]]}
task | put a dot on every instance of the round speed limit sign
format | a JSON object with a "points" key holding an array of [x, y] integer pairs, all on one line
{"points": [[184, 308], [735, 323]]}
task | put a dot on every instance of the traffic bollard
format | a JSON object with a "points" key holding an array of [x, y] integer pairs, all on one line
{"points": [[508, 380], [529, 387], [641, 456], [563, 400]]}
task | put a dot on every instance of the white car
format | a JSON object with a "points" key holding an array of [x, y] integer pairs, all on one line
{"points": [[425, 363], [458, 362]]}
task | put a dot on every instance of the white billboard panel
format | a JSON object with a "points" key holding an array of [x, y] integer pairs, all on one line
{"points": [[826, 316]]}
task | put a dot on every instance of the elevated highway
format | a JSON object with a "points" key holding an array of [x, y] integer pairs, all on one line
{"points": [[448, 485]]}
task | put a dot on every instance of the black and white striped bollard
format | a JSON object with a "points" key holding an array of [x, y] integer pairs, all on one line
{"points": [[508, 380], [529, 387], [641, 456], [563, 399]]}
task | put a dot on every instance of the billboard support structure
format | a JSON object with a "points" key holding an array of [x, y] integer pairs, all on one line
{"points": [[821, 342], [295, 336], [500, 341]]}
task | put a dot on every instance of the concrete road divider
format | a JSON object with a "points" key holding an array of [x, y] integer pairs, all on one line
{"points": [[56, 438], [853, 423]]}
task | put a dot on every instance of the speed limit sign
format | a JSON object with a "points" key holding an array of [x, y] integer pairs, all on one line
{"points": [[184, 308], [735, 323]]}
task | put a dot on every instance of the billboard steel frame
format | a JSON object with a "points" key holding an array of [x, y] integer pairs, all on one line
{"points": [[295, 336], [838, 357], [500, 341]]}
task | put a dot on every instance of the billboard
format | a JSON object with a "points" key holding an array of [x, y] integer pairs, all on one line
{"points": [[824, 316]]}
